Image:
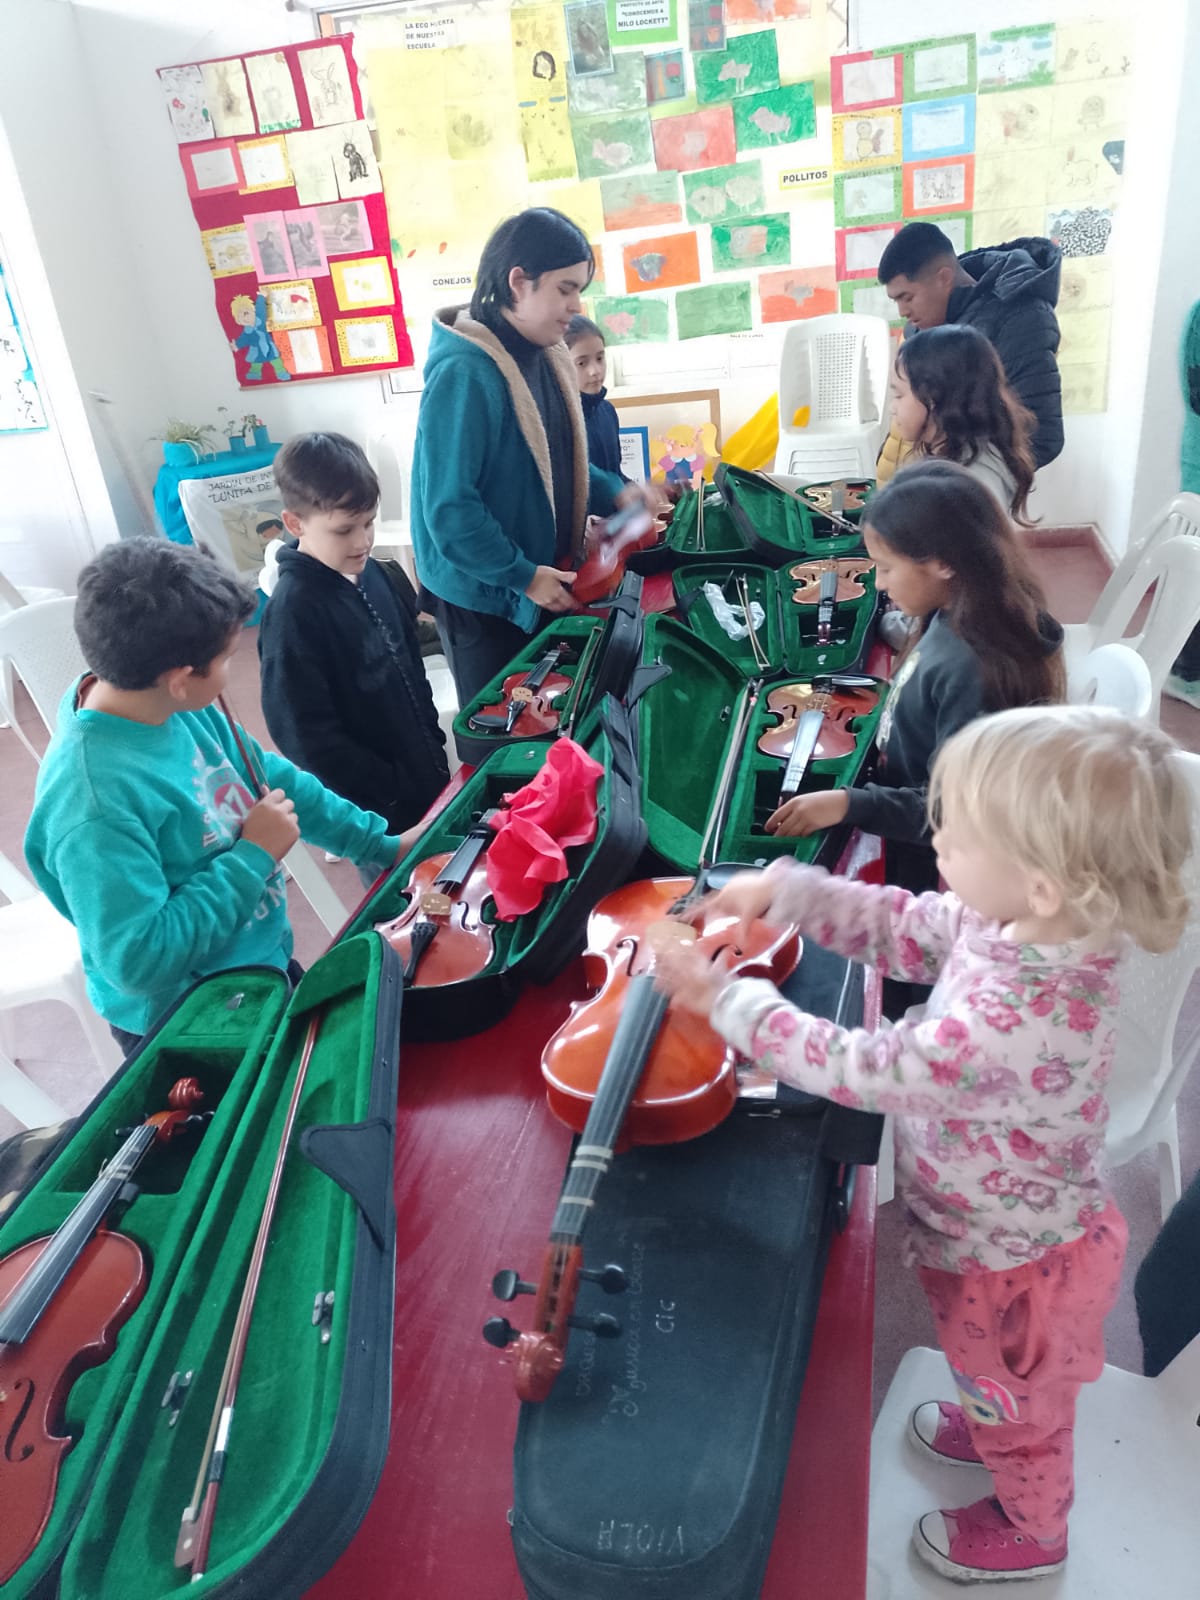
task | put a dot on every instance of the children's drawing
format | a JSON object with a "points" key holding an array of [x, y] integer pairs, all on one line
{"points": [[666, 78], [312, 166], [579, 201], [292, 304], [366, 282], [682, 452], [605, 145], [1016, 58], [1017, 121], [1083, 232], [20, 403], [857, 250], [797, 293], [747, 65], [255, 338], [539, 53], [269, 246], [354, 159], [1092, 111], [228, 98], [947, 185], [273, 92], [366, 341], [632, 319], [663, 263], [866, 300], [1086, 284], [474, 130], [646, 200], [752, 242], [305, 350], [1009, 222], [304, 238], [724, 192], [863, 81], [700, 139], [187, 103], [212, 169], [713, 308], [959, 228], [265, 164], [227, 250], [937, 67], [744, 13], [706, 25], [327, 84], [546, 135], [587, 37], [604, 93], [344, 228], [870, 196], [935, 128], [867, 141], [1099, 48], [780, 116]]}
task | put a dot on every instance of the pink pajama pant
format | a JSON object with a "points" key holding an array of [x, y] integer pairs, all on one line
{"points": [[1020, 1345]]}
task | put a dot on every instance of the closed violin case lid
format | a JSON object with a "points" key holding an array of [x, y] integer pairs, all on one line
{"points": [[655, 1468], [310, 1428], [776, 527], [537, 946], [787, 635], [684, 720], [609, 663]]}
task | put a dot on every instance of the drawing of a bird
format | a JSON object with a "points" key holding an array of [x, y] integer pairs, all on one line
{"points": [[743, 191], [649, 266], [771, 122], [613, 156], [735, 72], [619, 323], [710, 201], [693, 143]]}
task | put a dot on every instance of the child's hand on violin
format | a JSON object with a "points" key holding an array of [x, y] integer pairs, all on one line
{"points": [[271, 824], [809, 813], [747, 896], [689, 977], [550, 588]]}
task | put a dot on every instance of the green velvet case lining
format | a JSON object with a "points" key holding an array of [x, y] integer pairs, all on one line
{"points": [[684, 724], [224, 1047], [788, 634], [125, 1542], [721, 534], [786, 529], [572, 630]]}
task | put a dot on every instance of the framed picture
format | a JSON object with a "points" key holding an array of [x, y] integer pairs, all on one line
{"points": [[864, 81], [689, 421], [872, 139], [364, 282], [365, 341], [292, 304], [227, 250], [345, 229], [946, 185], [265, 164], [214, 168], [269, 247], [858, 250], [305, 350], [305, 242], [635, 453]]}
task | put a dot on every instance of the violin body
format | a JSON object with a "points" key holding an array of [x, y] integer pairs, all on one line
{"points": [[850, 572], [606, 554], [78, 1331], [840, 706], [463, 945], [538, 714], [820, 496], [688, 1084]]}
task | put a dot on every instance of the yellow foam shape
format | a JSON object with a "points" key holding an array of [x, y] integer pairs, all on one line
{"points": [[800, 420], [754, 444]]}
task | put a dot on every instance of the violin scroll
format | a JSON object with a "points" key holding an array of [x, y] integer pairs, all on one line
{"points": [[541, 1353]]}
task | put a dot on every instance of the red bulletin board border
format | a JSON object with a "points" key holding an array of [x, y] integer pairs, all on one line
{"points": [[941, 207], [844, 274], [225, 208], [838, 100]]}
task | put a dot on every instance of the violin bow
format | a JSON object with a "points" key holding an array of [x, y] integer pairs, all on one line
{"points": [[195, 1532], [571, 711], [257, 776], [802, 499]]}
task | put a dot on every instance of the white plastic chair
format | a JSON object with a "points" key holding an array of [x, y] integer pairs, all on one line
{"points": [[39, 960], [1127, 585], [38, 644], [1134, 1530], [837, 367], [12, 597], [1114, 676]]}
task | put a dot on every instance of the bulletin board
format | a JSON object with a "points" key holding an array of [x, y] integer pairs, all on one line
{"points": [[286, 190], [731, 174], [21, 409]]}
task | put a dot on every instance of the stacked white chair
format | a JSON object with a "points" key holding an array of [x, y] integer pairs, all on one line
{"points": [[836, 368]]}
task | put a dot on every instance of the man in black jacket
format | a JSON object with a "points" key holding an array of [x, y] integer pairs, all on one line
{"points": [[1008, 292], [344, 690]]}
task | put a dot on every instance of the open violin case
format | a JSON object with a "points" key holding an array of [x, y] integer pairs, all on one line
{"points": [[778, 526], [788, 635], [310, 1428], [606, 649], [717, 538], [538, 945], [684, 721]]}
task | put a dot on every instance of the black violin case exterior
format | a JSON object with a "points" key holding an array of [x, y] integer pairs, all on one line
{"points": [[654, 1470], [310, 1427]]}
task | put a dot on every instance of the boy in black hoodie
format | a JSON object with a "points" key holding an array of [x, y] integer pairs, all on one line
{"points": [[344, 690]]}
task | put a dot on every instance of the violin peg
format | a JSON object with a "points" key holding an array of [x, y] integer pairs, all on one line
{"points": [[507, 1285], [604, 1326], [612, 1279], [499, 1331]]}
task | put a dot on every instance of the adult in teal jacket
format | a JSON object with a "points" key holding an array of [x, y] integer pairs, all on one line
{"points": [[501, 486]]}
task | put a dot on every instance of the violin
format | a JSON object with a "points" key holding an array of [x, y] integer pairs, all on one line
{"points": [[814, 723], [849, 571], [632, 528], [441, 936], [526, 699], [629, 1066], [63, 1299], [833, 500]]}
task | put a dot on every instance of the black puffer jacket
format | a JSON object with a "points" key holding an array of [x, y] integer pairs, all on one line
{"points": [[344, 689], [1012, 303]]}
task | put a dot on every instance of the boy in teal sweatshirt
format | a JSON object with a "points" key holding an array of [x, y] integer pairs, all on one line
{"points": [[146, 832]]}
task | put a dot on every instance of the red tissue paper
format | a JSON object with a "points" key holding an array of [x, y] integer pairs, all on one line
{"points": [[556, 809]]}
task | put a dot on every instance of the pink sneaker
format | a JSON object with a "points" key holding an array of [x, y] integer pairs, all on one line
{"points": [[978, 1544], [939, 1429]]}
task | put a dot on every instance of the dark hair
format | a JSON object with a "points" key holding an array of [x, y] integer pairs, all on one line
{"points": [[544, 55], [325, 472], [582, 328], [537, 241], [917, 246], [957, 376], [936, 511], [146, 606]]}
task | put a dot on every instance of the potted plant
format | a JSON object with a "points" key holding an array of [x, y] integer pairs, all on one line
{"points": [[184, 443], [257, 427], [235, 430]]}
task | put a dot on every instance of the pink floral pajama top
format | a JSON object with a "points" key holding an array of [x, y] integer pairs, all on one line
{"points": [[996, 1084]]}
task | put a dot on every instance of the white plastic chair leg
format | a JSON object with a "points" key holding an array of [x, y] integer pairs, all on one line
{"points": [[6, 693], [315, 888], [22, 1098], [1170, 1179], [885, 1170]]}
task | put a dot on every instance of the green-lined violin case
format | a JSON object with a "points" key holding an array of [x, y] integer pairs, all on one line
{"points": [[778, 525], [310, 1428]]}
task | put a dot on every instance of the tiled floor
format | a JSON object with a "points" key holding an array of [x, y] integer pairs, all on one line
{"points": [[47, 1040]]}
